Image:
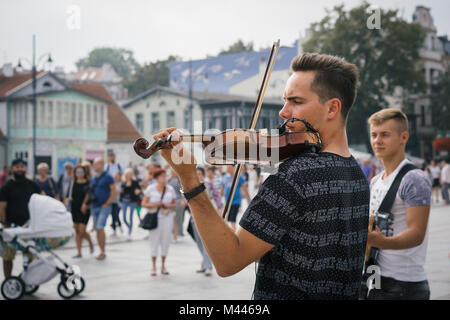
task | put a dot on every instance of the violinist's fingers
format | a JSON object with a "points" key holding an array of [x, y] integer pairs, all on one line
{"points": [[163, 133]]}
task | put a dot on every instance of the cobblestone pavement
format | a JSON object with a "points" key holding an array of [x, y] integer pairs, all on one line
{"points": [[125, 273]]}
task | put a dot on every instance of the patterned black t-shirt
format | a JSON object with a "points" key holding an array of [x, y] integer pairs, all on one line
{"points": [[315, 211]]}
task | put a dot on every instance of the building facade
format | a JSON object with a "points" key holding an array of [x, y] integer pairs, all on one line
{"points": [[74, 122], [434, 58]]}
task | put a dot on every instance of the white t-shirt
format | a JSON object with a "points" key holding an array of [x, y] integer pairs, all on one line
{"points": [[435, 172], [111, 168], [155, 196], [445, 175], [414, 190]]}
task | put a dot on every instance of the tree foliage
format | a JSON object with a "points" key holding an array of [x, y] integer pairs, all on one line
{"points": [[149, 75], [440, 102], [238, 46], [122, 60], [386, 58]]}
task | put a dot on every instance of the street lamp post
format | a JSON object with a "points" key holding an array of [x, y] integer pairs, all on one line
{"points": [[33, 98]]}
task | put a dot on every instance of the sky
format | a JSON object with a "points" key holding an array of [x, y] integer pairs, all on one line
{"points": [[191, 29]]}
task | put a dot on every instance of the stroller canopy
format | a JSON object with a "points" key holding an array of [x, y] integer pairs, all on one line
{"points": [[48, 218]]}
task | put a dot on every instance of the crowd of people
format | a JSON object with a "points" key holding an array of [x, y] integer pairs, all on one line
{"points": [[99, 190], [438, 173]]}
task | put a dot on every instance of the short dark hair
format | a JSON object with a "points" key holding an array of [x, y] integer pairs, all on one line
{"points": [[334, 78], [158, 172], [201, 170]]}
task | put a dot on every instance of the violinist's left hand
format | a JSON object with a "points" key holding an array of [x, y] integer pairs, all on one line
{"points": [[179, 158]]}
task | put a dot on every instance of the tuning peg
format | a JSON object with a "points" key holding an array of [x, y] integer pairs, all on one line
{"points": [[159, 143]]}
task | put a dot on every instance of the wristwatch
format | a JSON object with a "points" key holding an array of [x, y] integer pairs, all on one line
{"points": [[194, 192]]}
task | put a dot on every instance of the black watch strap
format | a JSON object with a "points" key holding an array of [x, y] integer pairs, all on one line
{"points": [[194, 192]]}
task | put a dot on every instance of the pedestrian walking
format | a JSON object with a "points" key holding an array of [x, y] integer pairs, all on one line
{"points": [[179, 210], [445, 181], [45, 182], [160, 197], [115, 205], [76, 201], [237, 200], [65, 180], [129, 194], [14, 197], [206, 265], [112, 166], [102, 195], [435, 171]]}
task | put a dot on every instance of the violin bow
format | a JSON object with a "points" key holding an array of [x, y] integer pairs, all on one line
{"points": [[255, 115]]}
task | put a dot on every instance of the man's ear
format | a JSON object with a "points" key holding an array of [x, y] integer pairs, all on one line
{"points": [[334, 108], [405, 136]]}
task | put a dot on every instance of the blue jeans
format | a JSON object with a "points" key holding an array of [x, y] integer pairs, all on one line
{"points": [[115, 209], [100, 216], [132, 206], [206, 263]]}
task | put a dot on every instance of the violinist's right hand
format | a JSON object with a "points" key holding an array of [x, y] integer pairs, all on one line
{"points": [[180, 159]]}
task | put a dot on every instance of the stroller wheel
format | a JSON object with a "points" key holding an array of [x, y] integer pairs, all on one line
{"points": [[13, 288], [81, 286], [65, 292]]}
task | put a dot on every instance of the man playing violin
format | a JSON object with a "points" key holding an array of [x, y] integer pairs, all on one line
{"points": [[307, 226]]}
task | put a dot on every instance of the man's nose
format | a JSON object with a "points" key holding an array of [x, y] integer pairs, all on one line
{"points": [[284, 112]]}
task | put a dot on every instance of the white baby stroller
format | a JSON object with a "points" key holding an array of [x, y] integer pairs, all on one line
{"points": [[50, 227]]}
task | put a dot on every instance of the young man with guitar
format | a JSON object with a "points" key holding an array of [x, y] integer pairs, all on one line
{"points": [[400, 200]]}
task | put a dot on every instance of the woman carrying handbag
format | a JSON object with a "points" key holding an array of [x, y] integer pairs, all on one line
{"points": [[160, 200]]}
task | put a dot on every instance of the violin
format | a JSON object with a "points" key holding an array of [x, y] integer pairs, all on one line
{"points": [[244, 146], [237, 146]]}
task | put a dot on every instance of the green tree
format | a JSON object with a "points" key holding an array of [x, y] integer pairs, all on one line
{"points": [[149, 75], [122, 60], [386, 58], [440, 102], [238, 46]]}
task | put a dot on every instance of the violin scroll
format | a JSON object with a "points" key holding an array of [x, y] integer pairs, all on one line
{"points": [[140, 146]]}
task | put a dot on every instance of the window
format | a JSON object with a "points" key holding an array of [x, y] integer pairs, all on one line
{"points": [[50, 113], [25, 115], [139, 122], [102, 116], [95, 115], [187, 119], [148, 105], [41, 113], [80, 115], [162, 104], [59, 113], [88, 115], [66, 113], [422, 115], [155, 122], [170, 119], [73, 114]]}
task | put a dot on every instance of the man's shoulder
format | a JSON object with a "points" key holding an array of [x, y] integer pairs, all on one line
{"points": [[415, 177]]}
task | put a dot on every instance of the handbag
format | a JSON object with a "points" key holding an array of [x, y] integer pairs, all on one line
{"points": [[150, 221], [69, 200]]}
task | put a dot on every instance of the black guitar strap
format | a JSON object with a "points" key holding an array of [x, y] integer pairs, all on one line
{"points": [[389, 199]]}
